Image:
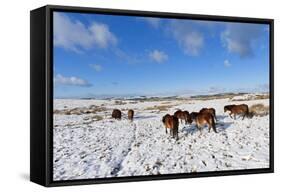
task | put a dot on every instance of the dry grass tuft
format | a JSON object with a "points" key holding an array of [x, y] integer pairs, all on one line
{"points": [[259, 110], [166, 103], [133, 102], [97, 118], [80, 111], [159, 107], [262, 96], [251, 97], [120, 102], [91, 119]]}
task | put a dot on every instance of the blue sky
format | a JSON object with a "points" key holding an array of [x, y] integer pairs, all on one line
{"points": [[104, 55]]}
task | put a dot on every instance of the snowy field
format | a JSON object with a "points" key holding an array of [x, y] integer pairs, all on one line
{"points": [[88, 143]]}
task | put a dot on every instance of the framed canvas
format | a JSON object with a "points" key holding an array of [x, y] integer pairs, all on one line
{"points": [[125, 95]]}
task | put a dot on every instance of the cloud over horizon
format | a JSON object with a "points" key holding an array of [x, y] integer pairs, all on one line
{"points": [[263, 87], [216, 89], [71, 81]]}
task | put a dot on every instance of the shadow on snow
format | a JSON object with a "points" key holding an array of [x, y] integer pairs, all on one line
{"points": [[220, 126]]}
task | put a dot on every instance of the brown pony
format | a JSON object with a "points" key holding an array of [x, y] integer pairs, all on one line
{"points": [[242, 109], [202, 119], [193, 115], [131, 114], [116, 114], [171, 122], [183, 115], [209, 110]]}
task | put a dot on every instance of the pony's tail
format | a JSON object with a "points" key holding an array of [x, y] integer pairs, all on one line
{"points": [[213, 124], [249, 113]]}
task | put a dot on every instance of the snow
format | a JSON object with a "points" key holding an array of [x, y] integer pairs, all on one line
{"points": [[86, 148]]}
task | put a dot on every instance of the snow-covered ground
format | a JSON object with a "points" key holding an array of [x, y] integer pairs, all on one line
{"points": [[92, 145]]}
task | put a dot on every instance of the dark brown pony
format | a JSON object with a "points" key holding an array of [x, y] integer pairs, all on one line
{"points": [[242, 109], [171, 122], [116, 114], [131, 114], [183, 115], [202, 119], [209, 110], [193, 115]]}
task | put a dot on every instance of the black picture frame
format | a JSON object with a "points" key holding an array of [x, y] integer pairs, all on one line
{"points": [[41, 83]]}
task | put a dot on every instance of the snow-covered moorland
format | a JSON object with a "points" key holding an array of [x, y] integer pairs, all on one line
{"points": [[88, 143]]}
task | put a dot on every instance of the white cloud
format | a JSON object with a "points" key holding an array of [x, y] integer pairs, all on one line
{"points": [[96, 67], [226, 63], [71, 81], [158, 56], [75, 36], [239, 38], [190, 39], [102, 36], [127, 57], [154, 22], [193, 42]]}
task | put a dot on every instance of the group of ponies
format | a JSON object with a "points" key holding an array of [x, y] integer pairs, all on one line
{"points": [[206, 116]]}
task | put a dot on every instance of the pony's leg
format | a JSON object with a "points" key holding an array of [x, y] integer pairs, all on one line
{"points": [[234, 116], [200, 129], [230, 115], [166, 130], [215, 129], [244, 116], [209, 128]]}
